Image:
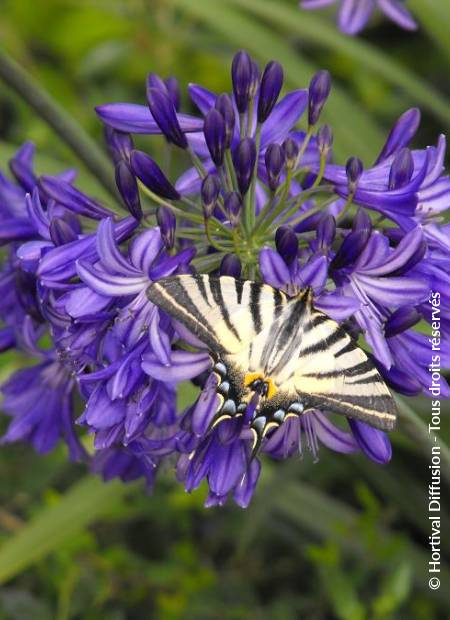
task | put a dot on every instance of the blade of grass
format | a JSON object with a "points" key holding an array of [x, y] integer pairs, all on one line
{"points": [[82, 504], [434, 17], [361, 136], [15, 76], [316, 30], [323, 517]]}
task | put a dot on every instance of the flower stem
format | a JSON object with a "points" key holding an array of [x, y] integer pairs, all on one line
{"points": [[86, 149]]}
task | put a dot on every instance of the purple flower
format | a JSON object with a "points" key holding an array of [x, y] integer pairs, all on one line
{"points": [[354, 14], [260, 200]]}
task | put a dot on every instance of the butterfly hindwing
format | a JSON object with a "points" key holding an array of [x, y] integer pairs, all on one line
{"points": [[338, 376]]}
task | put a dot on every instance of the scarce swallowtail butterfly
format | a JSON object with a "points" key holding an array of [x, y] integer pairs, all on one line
{"points": [[276, 351]]}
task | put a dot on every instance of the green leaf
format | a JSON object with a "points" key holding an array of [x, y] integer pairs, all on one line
{"points": [[84, 503], [361, 136], [315, 30], [434, 17]]}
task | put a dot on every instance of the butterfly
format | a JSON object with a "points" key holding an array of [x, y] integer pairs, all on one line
{"points": [[274, 355]]}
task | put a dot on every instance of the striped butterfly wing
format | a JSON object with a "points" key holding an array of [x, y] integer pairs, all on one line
{"points": [[222, 312], [258, 331], [338, 376]]}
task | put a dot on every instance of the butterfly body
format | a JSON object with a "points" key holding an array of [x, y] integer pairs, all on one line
{"points": [[275, 356]]}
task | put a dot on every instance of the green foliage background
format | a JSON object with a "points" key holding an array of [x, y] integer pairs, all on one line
{"points": [[339, 539]]}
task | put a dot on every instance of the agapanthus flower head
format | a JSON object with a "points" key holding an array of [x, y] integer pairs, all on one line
{"points": [[353, 15], [262, 200]]}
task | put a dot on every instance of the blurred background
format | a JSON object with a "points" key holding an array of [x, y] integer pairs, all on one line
{"points": [[339, 539]]}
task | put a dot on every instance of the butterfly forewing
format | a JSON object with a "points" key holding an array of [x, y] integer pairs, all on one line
{"points": [[224, 313]]}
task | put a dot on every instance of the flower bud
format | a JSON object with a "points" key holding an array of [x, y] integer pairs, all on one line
{"points": [[214, 130], [244, 158], [326, 231], [254, 81], [242, 73], [401, 133], [274, 160], [324, 140], [353, 170], [233, 207], [210, 192], [319, 89], [167, 223], [401, 170], [286, 242], [173, 88], [128, 188], [225, 106], [230, 266], [119, 143], [164, 113], [152, 176], [154, 81], [290, 150], [271, 83]]}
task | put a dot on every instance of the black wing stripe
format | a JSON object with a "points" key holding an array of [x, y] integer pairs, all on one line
{"points": [[239, 286], [378, 411], [353, 371], [325, 343], [255, 294], [373, 378], [277, 303], [285, 342], [201, 287], [349, 348], [315, 321], [216, 290], [178, 304]]}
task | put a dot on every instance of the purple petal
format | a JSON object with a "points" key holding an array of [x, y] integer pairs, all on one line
{"points": [[145, 248], [332, 436], [105, 283], [227, 468], [338, 307], [108, 251], [206, 407], [354, 14], [38, 217], [373, 442], [203, 98], [397, 12], [243, 492], [134, 118], [394, 292], [409, 246], [273, 268], [83, 301], [283, 117], [401, 134], [73, 199], [184, 365]]}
